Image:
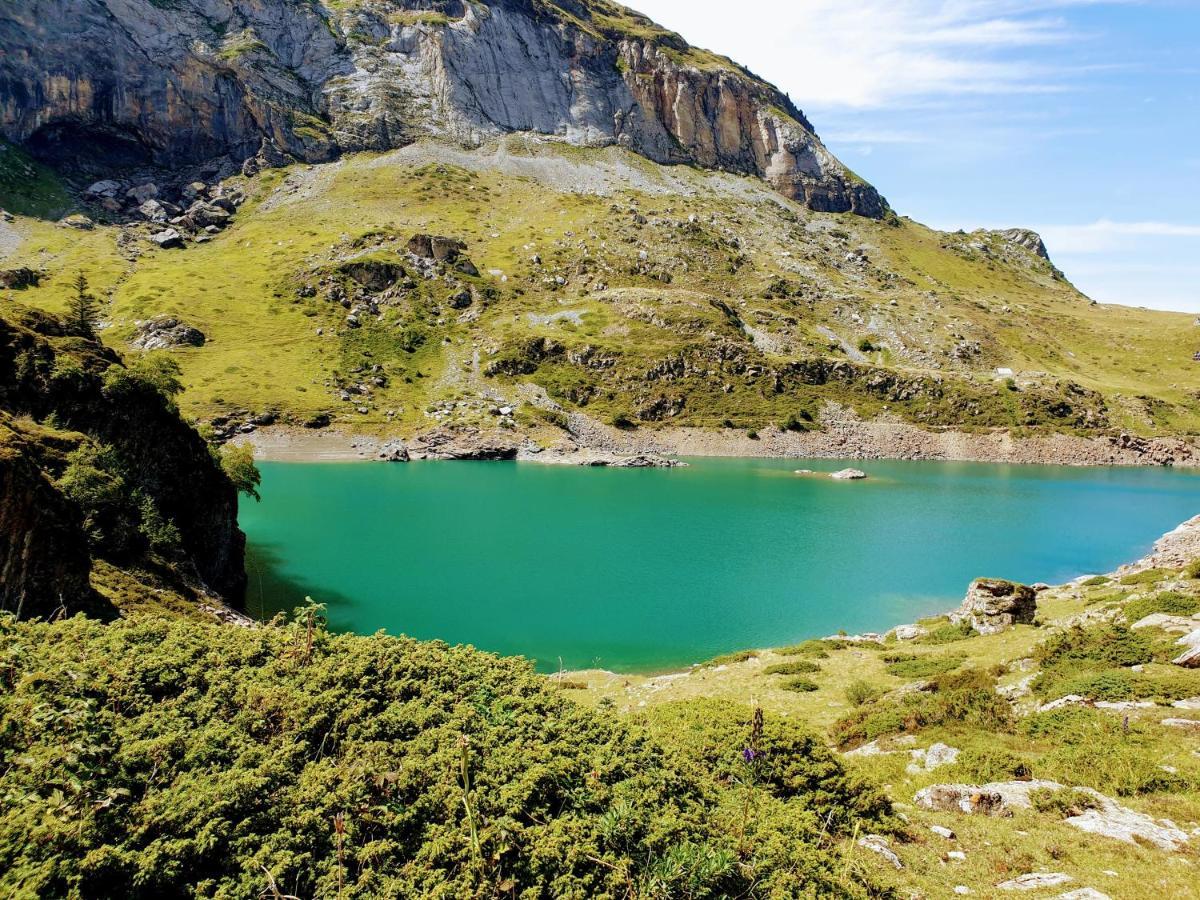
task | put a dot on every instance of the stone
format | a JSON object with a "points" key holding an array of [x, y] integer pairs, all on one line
{"points": [[935, 757], [168, 239], [962, 890], [78, 221], [1178, 624], [1086, 893], [1036, 881], [1189, 703], [153, 211], [141, 193], [436, 247], [1188, 724], [849, 475], [1069, 700], [909, 632], [942, 831], [19, 278], [202, 215], [878, 844], [105, 188], [460, 300], [166, 333], [394, 451], [194, 190], [1190, 659], [993, 605], [956, 855]]}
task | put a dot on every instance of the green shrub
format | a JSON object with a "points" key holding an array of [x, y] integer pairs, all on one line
{"points": [[1108, 645], [1193, 569], [800, 685], [157, 758], [979, 766], [911, 667], [238, 462], [730, 659], [815, 649], [1063, 803], [1096, 581], [797, 667], [948, 634], [968, 697], [860, 692], [1148, 576], [1172, 603]]}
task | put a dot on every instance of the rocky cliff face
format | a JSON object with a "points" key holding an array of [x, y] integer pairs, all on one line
{"points": [[57, 396], [182, 81]]}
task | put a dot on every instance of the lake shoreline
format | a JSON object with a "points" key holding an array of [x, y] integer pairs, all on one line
{"points": [[589, 443]]}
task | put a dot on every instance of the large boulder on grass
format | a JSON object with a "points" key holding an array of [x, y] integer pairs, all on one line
{"points": [[993, 605]]}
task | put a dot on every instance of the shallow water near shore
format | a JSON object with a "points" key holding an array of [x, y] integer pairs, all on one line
{"points": [[645, 570]]}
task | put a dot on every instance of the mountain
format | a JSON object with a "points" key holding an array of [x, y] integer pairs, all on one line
{"points": [[179, 81], [496, 228]]}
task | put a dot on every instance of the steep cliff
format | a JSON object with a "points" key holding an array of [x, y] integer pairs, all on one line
{"points": [[126, 82], [95, 463]]}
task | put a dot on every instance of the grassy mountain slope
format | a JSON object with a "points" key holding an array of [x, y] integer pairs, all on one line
{"points": [[619, 288]]}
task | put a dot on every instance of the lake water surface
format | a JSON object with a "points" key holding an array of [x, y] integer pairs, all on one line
{"points": [[640, 570]]}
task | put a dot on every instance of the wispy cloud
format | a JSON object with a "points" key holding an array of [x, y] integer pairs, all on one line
{"points": [[1104, 236], [873, 53]]}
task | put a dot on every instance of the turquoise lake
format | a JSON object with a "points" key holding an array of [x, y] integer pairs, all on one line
{"points": [[644, 570]]}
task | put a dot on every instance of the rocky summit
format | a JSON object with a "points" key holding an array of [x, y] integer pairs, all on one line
{"points": [[181, 81]]}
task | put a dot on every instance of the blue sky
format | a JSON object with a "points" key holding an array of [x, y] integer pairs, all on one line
{"points": [[1080, 118]]}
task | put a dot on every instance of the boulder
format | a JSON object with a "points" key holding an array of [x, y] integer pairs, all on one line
{"points": [[374, 274], [460, 300], [1178, 624], [1036, 881], [878, 844], [1188, 724], [909, 632], [269, 156], [168, 239], [993, 605], [20, 278], [1190, 658], [393, 451], [202, 215], [194, 190], [106, 188], [1107, 818], [141, 193], [165, 333], [78, 221], [934, 758], [1086, 893], [849, 475], [436, 247], [153, 211]]}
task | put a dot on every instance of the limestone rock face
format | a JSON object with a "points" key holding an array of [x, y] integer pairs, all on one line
{"points": [[992, 605], [137, 81]]}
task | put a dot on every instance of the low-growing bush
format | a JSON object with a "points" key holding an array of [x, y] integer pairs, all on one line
{"points": [[860, 692], [170, 758], [1147, 576], [908, 666], [1193, 570], [968, 697], [815, 649], [1062, 803], [948, 634], [796, 667], [1096, 581], [800, 685], [979, 766], [730, 659], [1171, 603]]}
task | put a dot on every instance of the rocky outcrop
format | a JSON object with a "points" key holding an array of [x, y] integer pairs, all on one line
{"points": [[140, 81], [165, 333], [76, 393], [44, 562], [1104, 816], [992, 605]]}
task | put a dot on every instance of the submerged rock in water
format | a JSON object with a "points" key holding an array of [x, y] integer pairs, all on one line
{"points": [[849, 475], [992, 605]]}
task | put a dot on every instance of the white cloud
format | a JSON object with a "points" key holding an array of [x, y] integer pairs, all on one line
{"points": [[1104, 236], [872, 53]]}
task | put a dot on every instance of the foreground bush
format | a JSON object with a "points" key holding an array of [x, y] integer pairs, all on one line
{"points": [[154, 758]]}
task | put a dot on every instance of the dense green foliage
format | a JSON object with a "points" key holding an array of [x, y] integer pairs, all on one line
{"points": [[165, 758], [968, 697]]}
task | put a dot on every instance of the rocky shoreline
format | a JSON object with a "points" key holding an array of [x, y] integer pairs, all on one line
{"points": [[587, 442]]}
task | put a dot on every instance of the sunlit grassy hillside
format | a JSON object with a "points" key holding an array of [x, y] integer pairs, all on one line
{"points": [[606, 284]]}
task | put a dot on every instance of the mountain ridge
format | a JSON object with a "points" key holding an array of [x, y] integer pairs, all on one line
{"points": [[175, 82]]}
